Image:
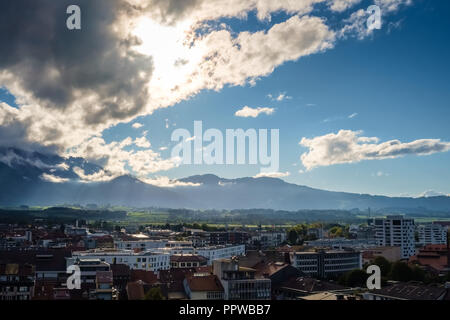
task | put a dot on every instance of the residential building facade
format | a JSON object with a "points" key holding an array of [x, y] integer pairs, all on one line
{"points": [[432, 234], [395, 231], [326, 264], [221, 252], [240, 283], [203, 287], [148, 261]]}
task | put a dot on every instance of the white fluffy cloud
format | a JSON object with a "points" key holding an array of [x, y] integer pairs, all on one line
{"points": [[118, 158], [140, 58], [342, 5], [392, 5], [137, 125], [272, 175], [348, 146], [356, 24], [142, 142], [380, 174], [248, 112], [133, 57], [281, 97], [99, 176], [165, 182], [432, 193], [11, 158], [52, 178]]}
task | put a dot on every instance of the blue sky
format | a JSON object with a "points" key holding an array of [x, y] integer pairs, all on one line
{"points": [[396, 81], [395, 84]]}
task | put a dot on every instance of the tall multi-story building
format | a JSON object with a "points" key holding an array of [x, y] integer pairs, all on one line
{"points": [[395, 231], [432, 234], [326, 264]]}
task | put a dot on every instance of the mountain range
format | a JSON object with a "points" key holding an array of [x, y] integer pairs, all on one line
{"points": [[22, 182]]}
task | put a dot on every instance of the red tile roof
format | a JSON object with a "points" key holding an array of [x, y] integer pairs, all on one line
{"points": [[204, 283], [147, 277], [433, 256]]}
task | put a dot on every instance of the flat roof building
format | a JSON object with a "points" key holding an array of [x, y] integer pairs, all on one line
{"points": [[326, 264]]}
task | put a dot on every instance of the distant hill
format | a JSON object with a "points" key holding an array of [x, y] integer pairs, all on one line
{"points": [[22, 184]]}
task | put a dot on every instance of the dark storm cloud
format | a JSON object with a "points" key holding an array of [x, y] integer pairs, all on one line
{"points": [[14, 133], [56, 65]]}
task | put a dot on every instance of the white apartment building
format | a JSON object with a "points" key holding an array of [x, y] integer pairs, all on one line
{"points": [[147, 244], [179, 244], [157, 258], [432, 234], [210, 252], [395, 231], [175, 250], [139, 244], [146, 260], [326, 264], [220, 252]]}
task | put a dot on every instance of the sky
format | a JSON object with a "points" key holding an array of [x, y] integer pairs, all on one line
{"points": [[357, 110]]}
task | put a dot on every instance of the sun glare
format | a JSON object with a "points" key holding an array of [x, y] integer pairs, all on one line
{"points": [[174, 60]]}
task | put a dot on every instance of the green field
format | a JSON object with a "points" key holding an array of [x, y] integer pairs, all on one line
{"points": [[147, 217]]}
